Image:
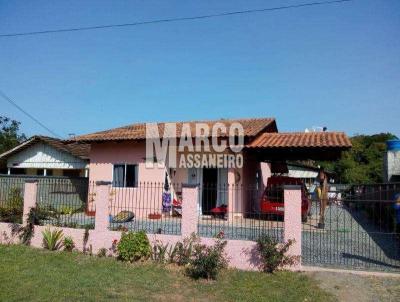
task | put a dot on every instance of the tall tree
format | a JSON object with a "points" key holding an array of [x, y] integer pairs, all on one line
{"points": [[10, 135], [364, 162]]}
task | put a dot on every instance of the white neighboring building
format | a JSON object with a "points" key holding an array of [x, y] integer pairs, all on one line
{"points": [[46, 156]]}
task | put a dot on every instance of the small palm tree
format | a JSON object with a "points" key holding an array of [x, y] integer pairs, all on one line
{"points": [[52, 240]]}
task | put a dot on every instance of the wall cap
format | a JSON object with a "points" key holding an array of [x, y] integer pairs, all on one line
{"points": [[31, 181]]}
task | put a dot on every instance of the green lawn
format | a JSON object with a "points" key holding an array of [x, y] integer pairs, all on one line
{"points": [[28, 274]]}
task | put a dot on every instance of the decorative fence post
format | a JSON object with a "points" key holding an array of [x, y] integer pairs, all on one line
{"points": [[30, 193], [102, 200], [190, 195], [292, 228]]}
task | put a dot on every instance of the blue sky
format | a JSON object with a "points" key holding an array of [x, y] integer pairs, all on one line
{"points": [[334, 65]]}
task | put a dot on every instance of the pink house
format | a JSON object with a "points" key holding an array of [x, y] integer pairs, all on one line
{"points": [[119, 156]]}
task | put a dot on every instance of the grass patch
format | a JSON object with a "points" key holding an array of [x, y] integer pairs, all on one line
{"points": [[28, 274]]}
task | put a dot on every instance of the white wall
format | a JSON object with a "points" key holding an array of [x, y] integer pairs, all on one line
{"points": [[44, 156]]}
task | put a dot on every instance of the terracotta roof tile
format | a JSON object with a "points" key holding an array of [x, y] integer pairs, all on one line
{"points": [[252, 127], [77, 149], [301, 139]]}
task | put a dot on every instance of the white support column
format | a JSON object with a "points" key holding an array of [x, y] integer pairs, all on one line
{"points": [[9, 171]]}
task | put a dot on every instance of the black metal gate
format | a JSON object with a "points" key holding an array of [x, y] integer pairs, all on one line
{"points": [[362, 229]]}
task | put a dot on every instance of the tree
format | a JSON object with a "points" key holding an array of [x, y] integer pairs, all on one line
{"points": [[9, 134], [364, 162]]}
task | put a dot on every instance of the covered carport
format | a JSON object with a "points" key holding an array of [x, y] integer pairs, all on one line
{"points": [[278, 148]]}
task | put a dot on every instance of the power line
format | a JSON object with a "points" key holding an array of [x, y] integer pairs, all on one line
{"points": [[8, 99], [52, 31]]}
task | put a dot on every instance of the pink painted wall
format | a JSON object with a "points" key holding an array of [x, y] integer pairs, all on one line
{"points": [[104, 155], [252, 194], [235, 192], [292, 230], [142, 200], [241, 254]]}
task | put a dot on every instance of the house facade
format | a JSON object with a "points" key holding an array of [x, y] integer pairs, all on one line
{"points": [[46, 156], [119, 156]]}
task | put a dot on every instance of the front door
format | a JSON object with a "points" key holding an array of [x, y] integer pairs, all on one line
{"points": [[210, 190]]}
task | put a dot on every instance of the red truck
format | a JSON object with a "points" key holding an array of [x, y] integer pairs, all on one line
{"points": [[272, 199]]}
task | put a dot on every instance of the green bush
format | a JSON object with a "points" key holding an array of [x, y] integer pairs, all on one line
{"points": [[159, 252], [68, 244], [66, 210], [182, 252], [52, 240], [12, 210], [134, 246], [207, 261], [11, 215], [15, 199], [27, 231], [274, 255]]}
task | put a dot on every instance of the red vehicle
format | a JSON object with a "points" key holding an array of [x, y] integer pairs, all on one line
{"points": [[272, 199]]}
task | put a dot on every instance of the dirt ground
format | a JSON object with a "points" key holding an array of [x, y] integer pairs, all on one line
{"points": [[354, 288]]}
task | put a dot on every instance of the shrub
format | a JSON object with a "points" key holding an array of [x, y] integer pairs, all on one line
{"points": [[27, 231], [102, 253], [182, 252], [11, 215], [15, 199], [42, 213], [133, 246], [66, 210], [207, 261], [68, 244], [52, 240], [159, 252], [273, 255], [11, 211], [85, 241]]}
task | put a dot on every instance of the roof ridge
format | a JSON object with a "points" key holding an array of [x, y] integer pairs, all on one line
{"points": [[301, 139], [131, 127], [196, 121], [312, 132]]}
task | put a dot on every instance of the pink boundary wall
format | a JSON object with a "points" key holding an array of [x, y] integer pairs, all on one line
{"points": [[241, 254]]}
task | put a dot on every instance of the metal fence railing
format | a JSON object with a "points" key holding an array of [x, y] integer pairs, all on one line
{"points": [[361, 229], [153, 207], [240, 212], [65, 202], [11, 199]]}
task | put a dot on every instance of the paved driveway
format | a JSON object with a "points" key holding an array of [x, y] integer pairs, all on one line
{"points": [[349, 240]]}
